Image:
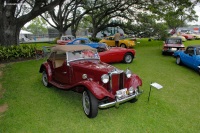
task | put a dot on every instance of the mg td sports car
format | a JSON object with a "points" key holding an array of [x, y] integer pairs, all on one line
{"points": [[79, 68]]}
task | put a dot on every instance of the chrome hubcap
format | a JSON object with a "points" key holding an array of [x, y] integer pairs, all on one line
{"points": [[86, 103], [123, 46], [128, 58], [44, 79], [178, 60]]}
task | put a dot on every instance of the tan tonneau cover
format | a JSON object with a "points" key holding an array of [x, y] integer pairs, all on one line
{"points": [[66, 48]]}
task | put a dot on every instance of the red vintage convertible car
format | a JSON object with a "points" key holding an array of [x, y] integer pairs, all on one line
{"points": [[117, 54], [79, 68]]}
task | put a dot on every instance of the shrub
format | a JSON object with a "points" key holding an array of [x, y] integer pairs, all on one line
{"points": [[55, 40], [15, 52]]}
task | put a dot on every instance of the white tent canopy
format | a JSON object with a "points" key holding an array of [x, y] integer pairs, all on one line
{"points": [[25, 32]]}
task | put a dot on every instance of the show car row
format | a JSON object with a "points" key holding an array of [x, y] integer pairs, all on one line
{"points": [[70, 40], [187, 36], [84, 69], [189, 57]]}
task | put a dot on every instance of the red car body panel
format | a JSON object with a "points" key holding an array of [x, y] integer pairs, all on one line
{"points": [[59, 77], [188, 36], [63, 42], [65, 39], [115, 54]]}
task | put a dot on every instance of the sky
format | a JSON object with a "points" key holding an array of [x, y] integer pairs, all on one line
{"points": [[197, 9]]}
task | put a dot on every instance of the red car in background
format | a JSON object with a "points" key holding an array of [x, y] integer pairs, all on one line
{"points": [[65, 39], [188, 36], [117, 54], [80, 69]]}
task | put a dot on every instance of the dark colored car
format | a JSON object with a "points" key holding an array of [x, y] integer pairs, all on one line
{"points": [[80, 69], [172, 44], [190, 57]]}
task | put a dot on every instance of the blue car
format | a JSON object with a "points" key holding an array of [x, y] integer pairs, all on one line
{"points": [[85, 41], [190, 57]]}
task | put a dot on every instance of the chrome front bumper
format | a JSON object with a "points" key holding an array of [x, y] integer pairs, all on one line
{"points": [[119, 101]]}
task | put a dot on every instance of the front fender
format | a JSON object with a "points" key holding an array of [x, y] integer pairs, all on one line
{"points": [[46, 67], [97, 90], [133, 81]]}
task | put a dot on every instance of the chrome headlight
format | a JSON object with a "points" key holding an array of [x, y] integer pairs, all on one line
{"points": [[105, 78], [131, 90], [84, 76], [128, 73]]}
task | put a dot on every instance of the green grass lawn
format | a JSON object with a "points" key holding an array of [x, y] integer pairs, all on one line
{"points": [[37, 109]]}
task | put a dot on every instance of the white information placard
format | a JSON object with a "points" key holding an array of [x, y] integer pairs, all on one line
{"points": [[156, 85]]}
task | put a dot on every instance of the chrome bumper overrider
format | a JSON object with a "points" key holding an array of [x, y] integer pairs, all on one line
{"points": [[118, 101]]}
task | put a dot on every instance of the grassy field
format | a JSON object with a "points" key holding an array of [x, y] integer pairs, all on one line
{"points": [[37, 109]]}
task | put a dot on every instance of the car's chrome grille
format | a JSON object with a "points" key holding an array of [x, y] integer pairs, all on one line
{"points": [[116, 81]]}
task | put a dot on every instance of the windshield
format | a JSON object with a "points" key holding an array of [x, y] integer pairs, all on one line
{"points": [[173, 41], [83, 54]]}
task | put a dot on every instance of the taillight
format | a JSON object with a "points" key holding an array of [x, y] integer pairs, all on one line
{"points": [[165, 48]]}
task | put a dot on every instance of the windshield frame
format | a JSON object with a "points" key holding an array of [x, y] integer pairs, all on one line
{"points": [[80, 55]]}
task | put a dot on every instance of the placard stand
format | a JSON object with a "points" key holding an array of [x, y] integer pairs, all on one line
{"points": [[154, 85]]}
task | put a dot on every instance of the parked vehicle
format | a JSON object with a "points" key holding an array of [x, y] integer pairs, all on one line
{"points": [[65, 39], [122, 43], [172, 44], [86, 41], [196, 36], [188, 36], [190, 57], [182, 37], [80, 69], [117, 54]]}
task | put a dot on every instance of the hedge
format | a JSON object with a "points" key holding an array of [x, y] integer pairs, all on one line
{"points": [[16, 52]]}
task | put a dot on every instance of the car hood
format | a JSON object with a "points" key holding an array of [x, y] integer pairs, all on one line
{"points": [[92, 66], [119, 48]]}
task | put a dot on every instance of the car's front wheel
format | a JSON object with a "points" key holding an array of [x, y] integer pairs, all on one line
{"points": [[178, 60], [128, 58], [90, 104], [45, 79], [123, 45]]}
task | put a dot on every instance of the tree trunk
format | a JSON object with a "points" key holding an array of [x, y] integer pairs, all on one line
{"points": [[9, 28], [94, 33], [10, 25], [9, 34], [61, 33], [73, 31]]}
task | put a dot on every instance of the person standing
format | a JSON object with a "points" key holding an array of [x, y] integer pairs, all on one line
{"points": [[116, 38]]}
